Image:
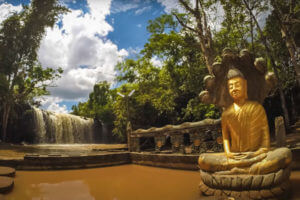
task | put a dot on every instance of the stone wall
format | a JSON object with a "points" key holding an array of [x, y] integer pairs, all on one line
{"points": [[203, 136]]}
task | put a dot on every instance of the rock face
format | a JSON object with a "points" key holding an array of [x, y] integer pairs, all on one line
{"points": [[6, 184], [7, 171], [280, 131]]}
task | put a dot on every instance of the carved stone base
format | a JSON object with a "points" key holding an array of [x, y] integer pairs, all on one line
{"points": [[243, 186], [278, 192]]}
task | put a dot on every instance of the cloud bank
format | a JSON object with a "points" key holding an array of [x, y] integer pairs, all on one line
{"points": [[81, 48]]}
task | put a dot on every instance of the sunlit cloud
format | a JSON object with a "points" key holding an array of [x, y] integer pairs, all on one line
{"points": [[79, 45], [81, 48], [142, 10], [8, 9], [123, 6]]}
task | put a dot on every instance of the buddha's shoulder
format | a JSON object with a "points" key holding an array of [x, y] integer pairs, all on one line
{"points": [[254, 107], [253, 104], [228, 111], [249, 106]]}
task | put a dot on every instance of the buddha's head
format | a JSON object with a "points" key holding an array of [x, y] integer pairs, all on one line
{"points": [[237, 85]]}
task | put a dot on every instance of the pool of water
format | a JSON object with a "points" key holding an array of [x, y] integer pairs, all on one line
{"points": [[126, 182]]}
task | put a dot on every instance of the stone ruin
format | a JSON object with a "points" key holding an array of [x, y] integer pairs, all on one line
{"points": [[203, 136]]}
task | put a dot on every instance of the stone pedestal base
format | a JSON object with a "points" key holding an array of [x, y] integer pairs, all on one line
{"points": [[243, 186]]}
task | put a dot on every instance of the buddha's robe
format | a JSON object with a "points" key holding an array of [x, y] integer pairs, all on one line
{"points": [[247, 131]]}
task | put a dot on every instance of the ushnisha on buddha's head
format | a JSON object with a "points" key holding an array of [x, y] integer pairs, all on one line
{"points": [[237, 85]]}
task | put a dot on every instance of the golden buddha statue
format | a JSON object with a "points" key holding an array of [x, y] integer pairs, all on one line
{"points": [[246, 137], [249, 168]]}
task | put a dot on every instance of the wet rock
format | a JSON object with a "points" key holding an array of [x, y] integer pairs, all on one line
{"points": [[6, 184]]}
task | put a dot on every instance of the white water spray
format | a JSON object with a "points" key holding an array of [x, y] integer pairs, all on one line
{"points": [[60, 128]]}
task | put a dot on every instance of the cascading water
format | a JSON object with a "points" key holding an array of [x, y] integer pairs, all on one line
{"points": [[60, 128]]}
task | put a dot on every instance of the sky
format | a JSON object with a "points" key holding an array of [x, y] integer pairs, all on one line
{"points": [[89, 41]]}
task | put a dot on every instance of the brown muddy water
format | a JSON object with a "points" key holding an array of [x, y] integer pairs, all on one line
{"points": [[125, 182]]}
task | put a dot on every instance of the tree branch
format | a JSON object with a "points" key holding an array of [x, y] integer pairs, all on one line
{"points": [[183, 24], [187, 7]]}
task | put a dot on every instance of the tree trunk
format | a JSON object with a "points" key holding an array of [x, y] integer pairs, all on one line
{"points": [[287, 35], [5, 116], [292, 51], [284, 108], [202, 31], [293, 106], [252, 36]]}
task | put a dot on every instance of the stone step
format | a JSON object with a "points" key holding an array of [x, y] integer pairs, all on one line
{"points": [[7, 171], [294, 127], [297, 124], [6, 184]]}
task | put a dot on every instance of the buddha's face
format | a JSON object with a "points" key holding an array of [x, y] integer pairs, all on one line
{"points": [[237, 88]]}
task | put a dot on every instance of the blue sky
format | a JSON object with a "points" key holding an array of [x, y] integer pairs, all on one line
{"points": [[130, 26], [89, 41]]}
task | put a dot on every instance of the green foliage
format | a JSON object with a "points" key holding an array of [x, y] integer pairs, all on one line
{"points": [[168, 93], [196, 111], [238, 27], [22, 77], [162, 93], [277, 39], [99, 104], [161, 24]]}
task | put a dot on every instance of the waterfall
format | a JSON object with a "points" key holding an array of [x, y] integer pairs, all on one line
{"points": [[51, 127]]}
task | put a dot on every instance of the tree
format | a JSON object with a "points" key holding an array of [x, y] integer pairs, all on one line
{"points": [[99, 105], [287, 14], [22, 77], [163, 92], [201, 28], [270, 54]]}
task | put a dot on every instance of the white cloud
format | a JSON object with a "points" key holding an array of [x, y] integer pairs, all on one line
{"points": [[79, 45], [170, 5], [123, 6], [134, 51], [142, 10], [81, 48], [99, 9], [139, 25], [8, 9], [52, 104]]}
